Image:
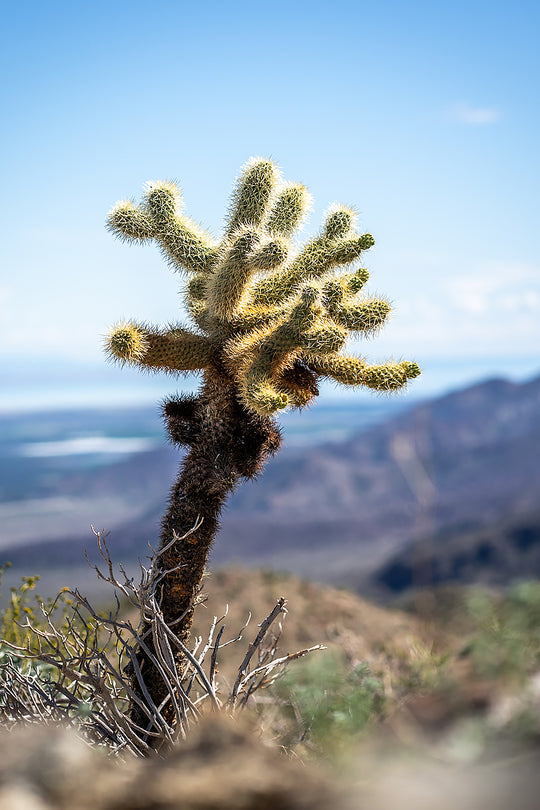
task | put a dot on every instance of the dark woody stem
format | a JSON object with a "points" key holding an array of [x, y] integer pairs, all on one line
{"points": [[227, 442]]}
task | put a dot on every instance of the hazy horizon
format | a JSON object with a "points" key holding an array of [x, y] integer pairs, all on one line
{"points": [[34, 384]]}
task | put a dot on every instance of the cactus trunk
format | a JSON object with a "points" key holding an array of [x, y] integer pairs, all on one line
{"points": [[227, 442]]}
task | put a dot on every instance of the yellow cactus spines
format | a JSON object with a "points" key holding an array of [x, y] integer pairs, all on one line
{"points": [[126, 342], [130, 222], [338, 288], [271, 253], [163, 201], [291, 206], [197, 288], [355, 281], [324, 337], [355, 371], [175, 349], [184, 245], [333, 292], [257, 393], [366, 317], [252, 194], [280, 341], [274, 351], [314, 261], [239, 351], [347, 250], [232, 274], [324, 253], [195, 298], [262, 381], [340, 220], [270, 315], [390, 376], [248, 318]]}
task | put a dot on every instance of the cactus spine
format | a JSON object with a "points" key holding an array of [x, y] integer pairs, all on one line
{"points": [[269, 320]]}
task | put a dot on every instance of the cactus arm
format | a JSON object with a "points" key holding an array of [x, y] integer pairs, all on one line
{"points": [[183, 243], [299, 383], [276, 351], [340, 221], [259, 394], [366, 316], [341, 286], [248, 318], [229, 281], [130, 222], [178, 349], [196, 291], [269, 254], [175, 349], [289, 209], [186, 246], [355, 281], [317, 258], [389, 376], [323, 338], [323, 254], [252, 194], [180, 414]]}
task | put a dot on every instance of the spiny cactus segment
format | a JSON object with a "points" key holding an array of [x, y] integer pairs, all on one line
{"points": [[275, 316]]}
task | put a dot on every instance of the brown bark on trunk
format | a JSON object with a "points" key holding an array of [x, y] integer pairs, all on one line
{"points": [[226, 443]]}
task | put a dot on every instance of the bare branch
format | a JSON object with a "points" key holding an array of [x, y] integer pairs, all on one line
{"points": [[279, 608], [86, 670]]}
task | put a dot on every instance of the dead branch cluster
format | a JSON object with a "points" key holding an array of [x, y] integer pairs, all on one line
{"points": [[85, 672]]}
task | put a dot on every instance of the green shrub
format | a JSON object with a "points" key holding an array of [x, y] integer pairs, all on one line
{"points": [[331, 702], [506, 642]]}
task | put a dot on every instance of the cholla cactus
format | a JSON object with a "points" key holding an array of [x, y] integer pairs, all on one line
{"points": [[274, 318], [269, 319]]}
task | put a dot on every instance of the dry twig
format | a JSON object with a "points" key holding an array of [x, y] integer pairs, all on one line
{"points": [[82, 673]]}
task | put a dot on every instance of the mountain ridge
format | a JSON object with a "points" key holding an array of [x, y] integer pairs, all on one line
{"points": [[340, 512]]}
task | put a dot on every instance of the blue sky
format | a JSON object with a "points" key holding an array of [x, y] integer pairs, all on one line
{"points": [[423, 115]]}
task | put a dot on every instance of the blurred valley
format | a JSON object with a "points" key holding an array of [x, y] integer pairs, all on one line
{"points": [[381, 496]]}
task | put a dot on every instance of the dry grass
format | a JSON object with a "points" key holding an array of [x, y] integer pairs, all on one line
{"points": [[363, 632]]}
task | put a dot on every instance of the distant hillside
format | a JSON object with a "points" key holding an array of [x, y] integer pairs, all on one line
{"points": [[467, 462], [492, 555], [339, 619], [450, 472]]}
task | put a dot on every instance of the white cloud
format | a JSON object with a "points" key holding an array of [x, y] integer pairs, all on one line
{"points": [[475, 116], [511, 288], [472, 293], [493, 310]]}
